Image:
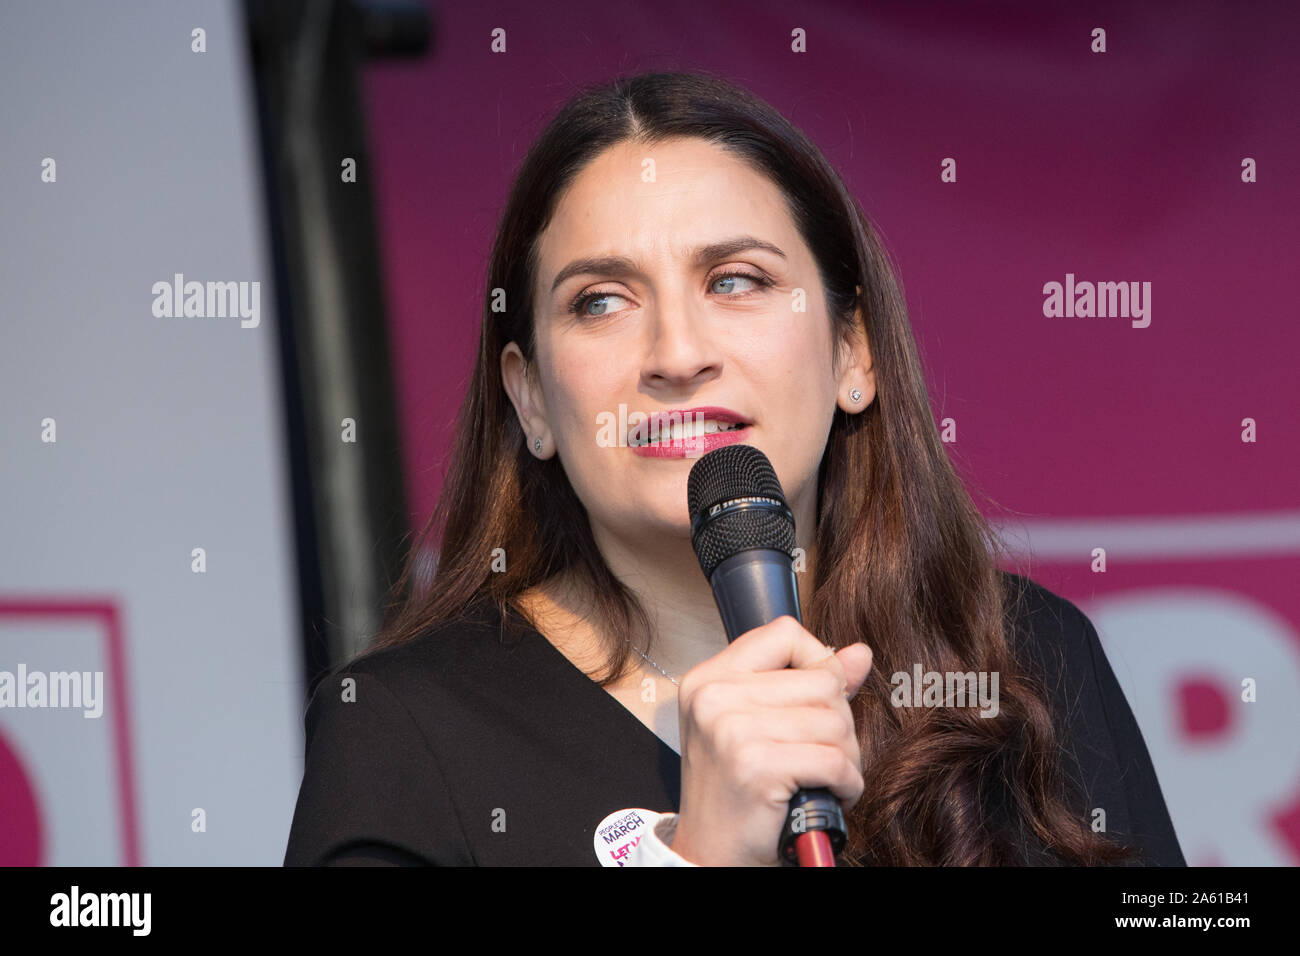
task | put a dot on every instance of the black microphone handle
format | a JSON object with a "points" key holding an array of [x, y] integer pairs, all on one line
{"points": [[752, 588]]}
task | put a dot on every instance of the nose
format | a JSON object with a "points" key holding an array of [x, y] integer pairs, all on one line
{"points": [[683, 350]]}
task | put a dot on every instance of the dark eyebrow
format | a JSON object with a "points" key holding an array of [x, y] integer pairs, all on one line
{"points": [[621, 265]]}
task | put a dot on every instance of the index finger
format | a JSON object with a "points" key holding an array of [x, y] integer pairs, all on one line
{"points": [[781, 643]]}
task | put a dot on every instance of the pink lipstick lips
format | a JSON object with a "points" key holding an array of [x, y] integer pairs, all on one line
{"points": [[690, 440]]}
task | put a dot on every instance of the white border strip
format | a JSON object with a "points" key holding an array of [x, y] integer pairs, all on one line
{"points": [[1156, 538]]}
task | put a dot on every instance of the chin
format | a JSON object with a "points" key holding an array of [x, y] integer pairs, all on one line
{"points": [[666, 520]]}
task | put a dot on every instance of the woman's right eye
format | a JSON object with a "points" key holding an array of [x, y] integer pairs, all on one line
{"points": [[581, 303]]}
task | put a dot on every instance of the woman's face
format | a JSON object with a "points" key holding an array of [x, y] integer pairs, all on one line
{"points": [[744, 329]]}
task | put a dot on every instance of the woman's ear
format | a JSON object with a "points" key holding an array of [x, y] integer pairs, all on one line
{"points": [[856, 388], [525, 393]]}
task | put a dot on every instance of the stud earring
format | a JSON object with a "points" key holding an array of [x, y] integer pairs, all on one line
{"points": [[856, 396], [537, 444]]}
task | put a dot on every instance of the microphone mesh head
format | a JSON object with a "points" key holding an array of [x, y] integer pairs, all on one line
{"points": [[728, 473]]}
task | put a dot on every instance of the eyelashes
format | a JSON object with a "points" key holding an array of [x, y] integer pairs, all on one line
{"points": [[583, 299]]}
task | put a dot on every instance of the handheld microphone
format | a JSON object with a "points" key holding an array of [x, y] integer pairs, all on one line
{"points": [[743, 534]]}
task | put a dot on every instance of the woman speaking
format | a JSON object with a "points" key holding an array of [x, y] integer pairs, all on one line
{"points": [[678, 268]]}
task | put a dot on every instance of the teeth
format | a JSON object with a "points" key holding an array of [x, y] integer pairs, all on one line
{"points": [[678, 431]]}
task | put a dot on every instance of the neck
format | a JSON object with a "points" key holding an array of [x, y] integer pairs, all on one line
{"points": [[665, 575]]}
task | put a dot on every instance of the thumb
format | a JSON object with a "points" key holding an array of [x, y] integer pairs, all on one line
{"points": [[856, 661]]}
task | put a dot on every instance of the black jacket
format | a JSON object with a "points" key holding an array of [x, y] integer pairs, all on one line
{"points": [[466, 747]]}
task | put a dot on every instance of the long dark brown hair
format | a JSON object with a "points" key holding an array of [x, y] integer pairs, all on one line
{"points": [[904, 560]]}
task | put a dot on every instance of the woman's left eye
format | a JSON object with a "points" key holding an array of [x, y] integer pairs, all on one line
{"points": [[731, 277]]}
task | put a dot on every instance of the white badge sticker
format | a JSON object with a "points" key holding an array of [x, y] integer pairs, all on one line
{"points": [[619, 832]]}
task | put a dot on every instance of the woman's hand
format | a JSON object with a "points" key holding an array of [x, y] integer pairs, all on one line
{"points": [[754, 732]]}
